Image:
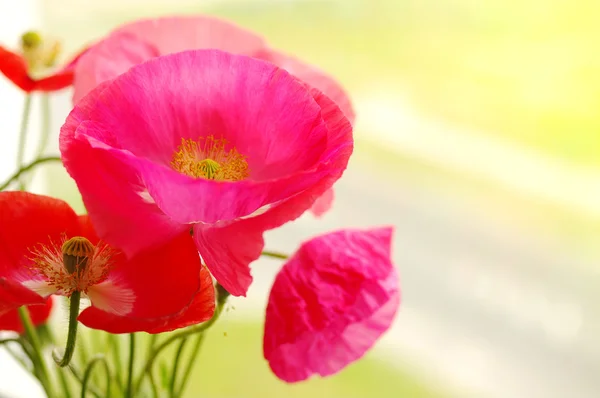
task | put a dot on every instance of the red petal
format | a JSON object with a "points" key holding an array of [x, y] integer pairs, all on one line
{"points": [[39, 314], [55, 82], [14, 67], [200, 309], [163, 281], [13, 295], [29, 220]]}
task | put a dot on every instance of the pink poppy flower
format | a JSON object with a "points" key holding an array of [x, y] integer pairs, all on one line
{"points": [[48, 249], [330, 303], [10, 321], [141, 40], [226, 145]]}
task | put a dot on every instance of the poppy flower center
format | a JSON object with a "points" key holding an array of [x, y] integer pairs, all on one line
{"points": [[74, 266], [208, 158]]}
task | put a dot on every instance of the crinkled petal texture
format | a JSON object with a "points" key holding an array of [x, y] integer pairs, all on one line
{"points": [[330, 303], [39, 314], [159, 289], [139, 41], [14, 67], [119, 141]]}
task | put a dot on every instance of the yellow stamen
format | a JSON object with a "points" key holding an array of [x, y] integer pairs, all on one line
{"points": [[207, 158]]}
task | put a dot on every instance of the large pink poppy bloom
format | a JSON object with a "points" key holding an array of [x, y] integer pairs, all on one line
{"points": [[330, 303], [225, 145], [144, 39]]}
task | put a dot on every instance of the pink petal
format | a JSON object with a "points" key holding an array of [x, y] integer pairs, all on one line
{"points": [[112, 191], [175, 34], [148, 122], [313, 77], [108, 59], [323, 204], [229, 248], [330, 303], [141, 40]]}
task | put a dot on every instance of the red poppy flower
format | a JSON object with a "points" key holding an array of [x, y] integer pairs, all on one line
{"points": [[14, 67], [39, 314], [47, 249]]}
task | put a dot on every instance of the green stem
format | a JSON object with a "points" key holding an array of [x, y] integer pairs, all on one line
{"points": [[37, 357], [26, 168], [72, 334], [129, 389], [115, 348], [176, 336], [88, 372], [177, 359], [190, 365], [79, 378], [64, 383], [23, 134], [275, 255]]}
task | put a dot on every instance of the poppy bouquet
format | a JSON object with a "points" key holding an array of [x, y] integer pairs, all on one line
{"points": [[189, 138]]}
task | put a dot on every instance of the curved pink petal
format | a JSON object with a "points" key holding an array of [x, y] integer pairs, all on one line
{"points": [[114, 195], [108, 59], [313, 77], [145, 133], [330, 303], [323, 204], [141, 40], [229, 248]]}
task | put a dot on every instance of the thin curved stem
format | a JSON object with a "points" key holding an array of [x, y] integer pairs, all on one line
{"points": [[37, 358], [176, 336], [177, 360], [115, 349], [278, 255], [26, 168], [79, 378], [129, 389], [190, 365], [23, 134], [88, 372], [74, 302]]}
